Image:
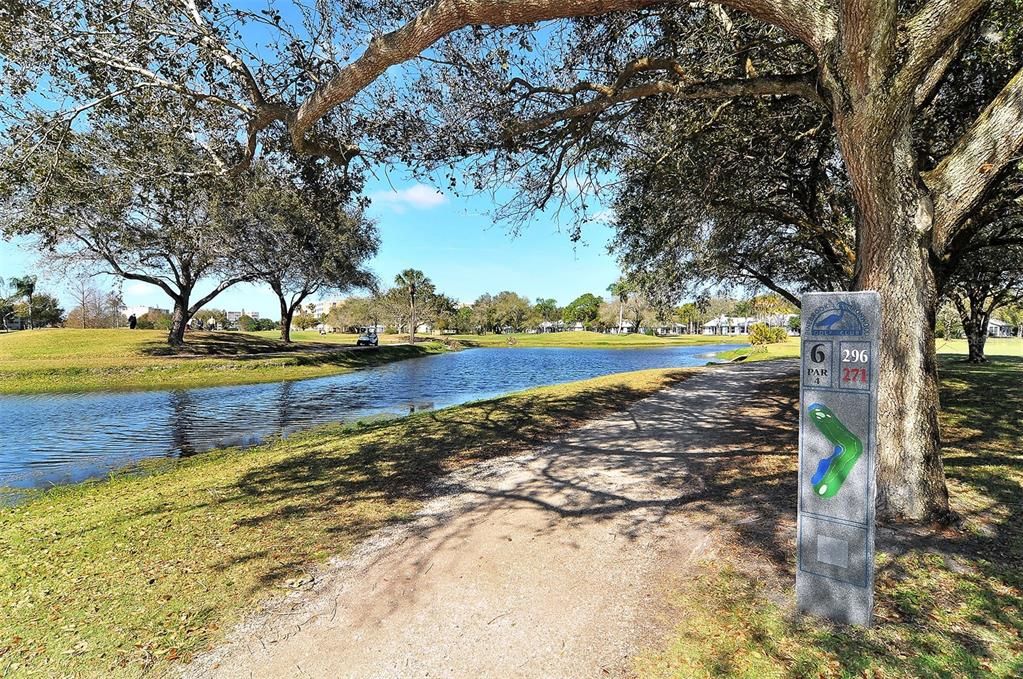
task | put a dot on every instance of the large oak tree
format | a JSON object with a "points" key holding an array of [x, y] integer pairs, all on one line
{"points": [[872, 66], [297, 233]]}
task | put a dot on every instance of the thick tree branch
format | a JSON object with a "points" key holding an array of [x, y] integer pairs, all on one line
{"points": [[936, 73], [932, 33], [959, 182], [809, 20], [223, 285], [769, 283], [797, 85], [868, 30]]}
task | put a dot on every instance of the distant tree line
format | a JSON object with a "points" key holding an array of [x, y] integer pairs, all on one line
{"points": [[413, 304]]}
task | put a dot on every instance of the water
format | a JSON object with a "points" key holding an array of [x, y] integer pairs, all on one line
{"points": [[49, 439]]}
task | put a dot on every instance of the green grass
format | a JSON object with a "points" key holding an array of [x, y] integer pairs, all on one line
{"points": [[787, 349], [147, 568], [995, 346], [948, 602], [588, 339], [790, 349], [66, 360], [336, 337]]}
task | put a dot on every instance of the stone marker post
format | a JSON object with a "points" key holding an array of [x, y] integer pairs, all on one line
{"points": [[837, 451]]}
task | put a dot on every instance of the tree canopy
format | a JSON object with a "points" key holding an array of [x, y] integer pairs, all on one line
{"points": [[550, 95]]}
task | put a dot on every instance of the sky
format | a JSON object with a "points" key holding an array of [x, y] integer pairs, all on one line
{"points": [[453, 239]]}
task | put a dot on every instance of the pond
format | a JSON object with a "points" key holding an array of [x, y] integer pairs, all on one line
{"points": [[65, 438]]}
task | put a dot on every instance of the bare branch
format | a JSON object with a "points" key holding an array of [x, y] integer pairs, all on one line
{"points": [[936, 73]]}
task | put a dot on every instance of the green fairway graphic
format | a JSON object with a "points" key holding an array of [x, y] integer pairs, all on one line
{"points": [[833, 470]]}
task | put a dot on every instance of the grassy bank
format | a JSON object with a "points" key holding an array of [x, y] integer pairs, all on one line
{"points": [[790, 349], [787, 349], [66, 360], [143, 570], [586, 339], [949, 602]]}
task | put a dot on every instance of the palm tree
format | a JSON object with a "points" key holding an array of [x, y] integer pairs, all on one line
{"points": [[415, 286], [25, 286], [620, 289]]}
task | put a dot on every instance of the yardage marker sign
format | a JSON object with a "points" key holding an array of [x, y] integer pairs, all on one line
{"points": [[837, 455]]}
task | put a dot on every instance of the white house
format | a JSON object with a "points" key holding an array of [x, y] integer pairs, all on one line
{"points": [[728, 325], [551, 326], [576, 327], [674, 328], [997, 328]]}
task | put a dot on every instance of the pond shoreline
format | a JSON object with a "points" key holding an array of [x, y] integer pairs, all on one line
{"points": [[191, 371], [149, 569], [68, 438]]}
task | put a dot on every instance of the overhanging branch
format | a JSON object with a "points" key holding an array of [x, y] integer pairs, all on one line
{"points": [[991, 144], [796, 85], [811, 21]]}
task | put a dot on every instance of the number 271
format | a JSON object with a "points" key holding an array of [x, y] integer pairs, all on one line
{"points": [[854, 375]]}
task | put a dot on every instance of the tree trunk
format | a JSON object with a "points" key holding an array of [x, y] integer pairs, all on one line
{"points": [[412, 324], [287, 314], [894, 221], [976, 340], [179, 317]]}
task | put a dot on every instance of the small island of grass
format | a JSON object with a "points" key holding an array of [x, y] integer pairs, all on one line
{"points": [[66, 360]]}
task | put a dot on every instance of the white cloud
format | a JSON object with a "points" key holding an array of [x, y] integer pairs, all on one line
{"points": [[417, 196], [138, 288]]}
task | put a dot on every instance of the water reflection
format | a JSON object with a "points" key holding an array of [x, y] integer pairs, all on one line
{"points": [[68, 438], [181, 406]]}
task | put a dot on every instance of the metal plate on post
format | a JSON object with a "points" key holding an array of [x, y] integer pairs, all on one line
{"points": [[837, 455]]}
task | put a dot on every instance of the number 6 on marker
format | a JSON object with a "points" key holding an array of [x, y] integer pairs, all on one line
{"points": [[816, 355]]}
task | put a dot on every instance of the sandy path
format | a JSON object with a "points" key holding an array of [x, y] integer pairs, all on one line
{"points": [[543, 565]]}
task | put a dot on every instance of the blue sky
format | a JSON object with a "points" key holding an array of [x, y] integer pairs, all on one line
{"points": [[453, 239]]}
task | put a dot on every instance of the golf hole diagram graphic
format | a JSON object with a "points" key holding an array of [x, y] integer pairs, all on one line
{"points": [[846, 450]]}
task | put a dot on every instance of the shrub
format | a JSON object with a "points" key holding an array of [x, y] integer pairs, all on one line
{"points": [[761, 334]]}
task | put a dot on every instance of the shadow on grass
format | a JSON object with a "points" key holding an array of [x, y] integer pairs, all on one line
{"points": [[949, 602], [214, 344], [397, 463]]}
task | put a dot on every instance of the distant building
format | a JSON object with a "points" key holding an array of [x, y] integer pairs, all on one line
{"points": [[324, 306], [675, 328], [234, 316], [142, 310], [740, 325], [997, 328]]}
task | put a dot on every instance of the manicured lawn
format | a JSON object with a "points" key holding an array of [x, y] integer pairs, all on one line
{"points": [[589, 339], [790, 349], [337, 337], [787, 349], [68, 360], [143, 570], [995, 346], [949, 601]]}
